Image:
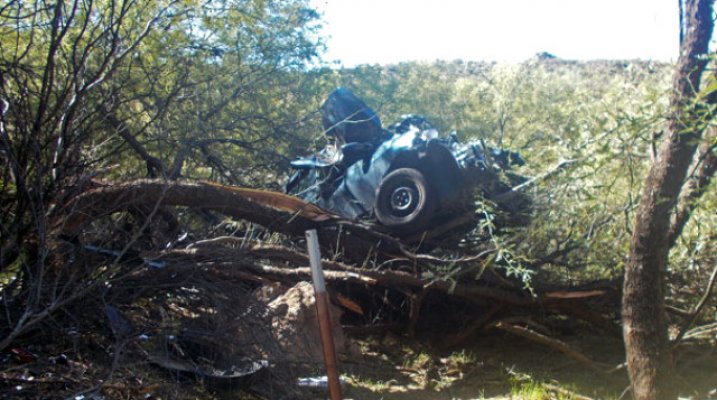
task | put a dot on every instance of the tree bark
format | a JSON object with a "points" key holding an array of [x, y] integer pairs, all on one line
{"points": [[649, 359]]}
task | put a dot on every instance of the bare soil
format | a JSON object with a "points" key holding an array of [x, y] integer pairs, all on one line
{"points": [[492, 365]]}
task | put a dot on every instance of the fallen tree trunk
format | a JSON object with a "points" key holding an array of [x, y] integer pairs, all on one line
{"points": [[275, 211]]}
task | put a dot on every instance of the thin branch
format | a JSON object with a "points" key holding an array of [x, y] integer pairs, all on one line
{"points": [[154, 164], [698, 308], [701, 330], [532, 182], [553, 344], [703, 172]]}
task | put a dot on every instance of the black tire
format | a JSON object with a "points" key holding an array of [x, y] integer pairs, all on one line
{"points": [[404, 201]]}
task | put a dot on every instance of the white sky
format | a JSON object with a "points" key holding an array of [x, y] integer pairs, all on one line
{"points": [[389, 31]]}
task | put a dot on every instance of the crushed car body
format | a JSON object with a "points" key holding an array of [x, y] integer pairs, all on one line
{"points": [[406, 176]]}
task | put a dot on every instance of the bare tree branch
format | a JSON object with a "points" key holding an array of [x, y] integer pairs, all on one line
{"points": [[554, 344], [698, 308], [155, 167], [700, 179]]}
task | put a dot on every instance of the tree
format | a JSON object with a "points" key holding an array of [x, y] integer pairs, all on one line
{"points": [[56, 61], [86, 85], [649, 358], [221, 96]]}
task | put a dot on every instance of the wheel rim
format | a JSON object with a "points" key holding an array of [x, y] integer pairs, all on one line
{"points": [[403, 200]]}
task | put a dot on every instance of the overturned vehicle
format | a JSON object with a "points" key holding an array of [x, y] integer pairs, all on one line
{"points": [[406, 177]]}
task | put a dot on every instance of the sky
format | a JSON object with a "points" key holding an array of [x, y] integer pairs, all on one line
{"points": [[390, 31]]}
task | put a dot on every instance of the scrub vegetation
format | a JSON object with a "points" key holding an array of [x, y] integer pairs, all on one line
{"points": [[127, 126]]}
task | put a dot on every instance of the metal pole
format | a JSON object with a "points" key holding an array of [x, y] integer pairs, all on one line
{"points": [[322, 309]]}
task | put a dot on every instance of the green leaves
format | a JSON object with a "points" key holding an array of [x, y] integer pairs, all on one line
{"points": [[605, 114]]}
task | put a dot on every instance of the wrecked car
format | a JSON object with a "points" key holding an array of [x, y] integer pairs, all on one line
{"points": [[405, 176]]}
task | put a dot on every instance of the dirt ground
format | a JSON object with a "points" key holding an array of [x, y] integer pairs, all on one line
{"points": [[492, 365], [500, 366]]}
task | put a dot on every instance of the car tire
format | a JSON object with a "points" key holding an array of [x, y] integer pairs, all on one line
{"points": [[404, 201]]}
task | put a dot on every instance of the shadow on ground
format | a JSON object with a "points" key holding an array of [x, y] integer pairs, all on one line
{"points": [[500, 366]]}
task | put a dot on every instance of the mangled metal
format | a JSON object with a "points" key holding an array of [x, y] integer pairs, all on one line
{"points": [[405, 176]]}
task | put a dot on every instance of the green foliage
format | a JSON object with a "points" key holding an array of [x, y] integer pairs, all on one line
{"points": [[221, 95], [227, 90], [605, 116], [165, 89]]}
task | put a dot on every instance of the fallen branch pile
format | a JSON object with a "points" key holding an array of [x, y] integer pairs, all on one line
{"points": [[137, 239], [189, 246], [372, 258]]}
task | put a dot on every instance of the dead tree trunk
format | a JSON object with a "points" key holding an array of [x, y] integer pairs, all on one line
{"points": [[649, 359]]}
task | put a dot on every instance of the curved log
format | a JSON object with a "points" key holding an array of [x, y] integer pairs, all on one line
{"points": [[275, 211]]}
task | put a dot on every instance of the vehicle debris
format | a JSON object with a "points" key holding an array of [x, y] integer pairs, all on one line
{"points": [[406, 177]]}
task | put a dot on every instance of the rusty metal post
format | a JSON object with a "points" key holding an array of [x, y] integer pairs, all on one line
{"points": [[322, 309]]}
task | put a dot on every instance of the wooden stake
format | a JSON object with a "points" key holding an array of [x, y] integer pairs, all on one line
{"points": [[322, 310]]}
